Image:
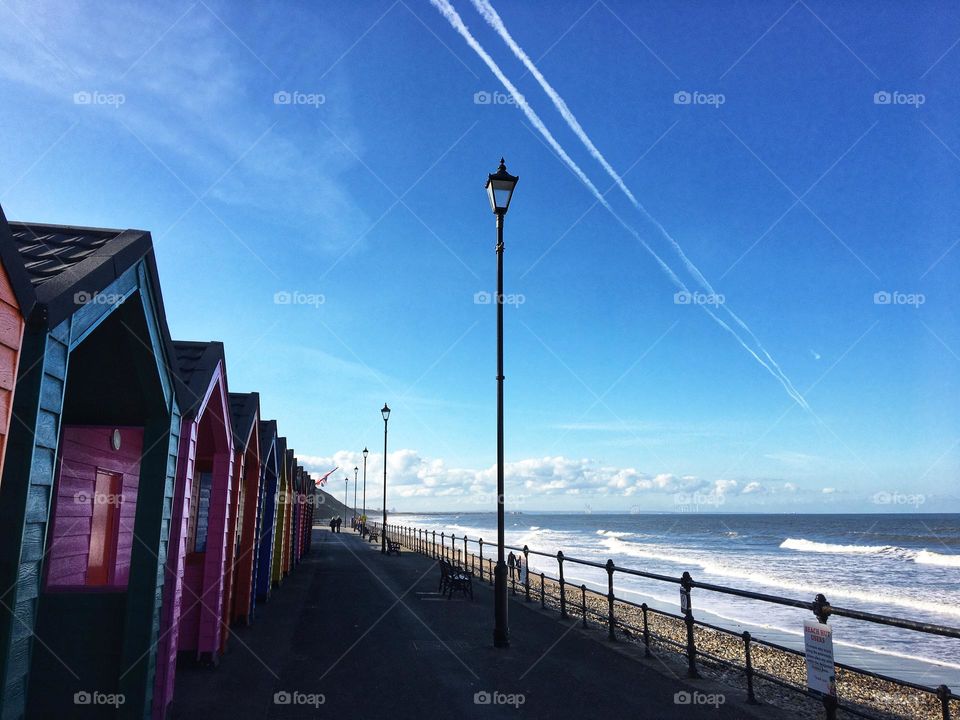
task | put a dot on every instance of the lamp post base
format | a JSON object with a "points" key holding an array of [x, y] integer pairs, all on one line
{"points": [[501, 630]]}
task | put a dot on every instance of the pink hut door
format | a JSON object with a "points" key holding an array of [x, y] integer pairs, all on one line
{"points": [[104, 528]]}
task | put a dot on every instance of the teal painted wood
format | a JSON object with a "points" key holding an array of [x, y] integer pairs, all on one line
{"points": [[25, 506]]}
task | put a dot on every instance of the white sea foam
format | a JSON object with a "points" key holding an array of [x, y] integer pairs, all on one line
{"points": [[714, 567], [924, 557]]}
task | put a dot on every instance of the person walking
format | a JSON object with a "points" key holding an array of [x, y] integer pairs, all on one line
{"points": [[511, 564], [339, 523], [333, 524]]}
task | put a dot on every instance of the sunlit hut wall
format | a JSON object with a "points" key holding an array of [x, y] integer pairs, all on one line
{"points": [[193, 592], [298, 514], [288, 515], [89, 467], [313, 497], [304, 511], [267, 512], [280, 551], [11, 336], [242, 534]]}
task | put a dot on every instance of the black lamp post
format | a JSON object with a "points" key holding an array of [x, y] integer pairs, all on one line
{"points": [[355, 471], [346, 484], [500, 186], [383, 529], [365, 453]]}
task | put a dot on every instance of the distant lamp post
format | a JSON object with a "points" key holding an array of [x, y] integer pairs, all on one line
{"points": [[355, 471], [346, 484], [500, 186], [365, 453], [383, 529]]}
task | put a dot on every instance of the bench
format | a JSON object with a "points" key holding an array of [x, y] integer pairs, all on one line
{"points": [[393, 547], [373, 535], [453, 579]]}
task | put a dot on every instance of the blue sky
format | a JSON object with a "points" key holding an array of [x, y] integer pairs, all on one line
{"points": [[795, 188]]}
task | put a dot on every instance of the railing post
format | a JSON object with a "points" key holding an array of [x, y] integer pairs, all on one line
{"points": [[481, 559], [526, 578], [748, 665], [563, 591], [433, 545], [610, 619], [943, 692], [686, 583], [646, 631], [464, 551], [443, 546], [821, 608], [543, 600], [583, 603]]}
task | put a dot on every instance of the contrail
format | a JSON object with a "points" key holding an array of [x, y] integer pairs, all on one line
{"points": [[492, 17], [453, 17]]}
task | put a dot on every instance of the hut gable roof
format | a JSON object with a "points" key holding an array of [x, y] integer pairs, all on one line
{"points": [[196, 364], [243, 412], [268, 435], [56, 263]]}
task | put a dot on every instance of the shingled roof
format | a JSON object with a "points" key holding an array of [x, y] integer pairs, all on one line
{"points": [[244, 409], [52, 266], [195, 365]]}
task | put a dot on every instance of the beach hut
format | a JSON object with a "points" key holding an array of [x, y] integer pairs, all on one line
{"points": [[193, 592], [281, 524], [89, 466], [288, 516], [267, 512], [242, 546], [11, 335], [297, 532]]}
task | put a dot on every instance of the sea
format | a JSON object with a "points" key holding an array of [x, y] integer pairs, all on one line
{"points": [[901, 565]]}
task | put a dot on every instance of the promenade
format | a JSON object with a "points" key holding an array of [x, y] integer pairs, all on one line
{"points": [[355, 633]]}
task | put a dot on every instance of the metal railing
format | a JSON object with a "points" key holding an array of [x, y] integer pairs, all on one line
{"points": [[456, 550]]}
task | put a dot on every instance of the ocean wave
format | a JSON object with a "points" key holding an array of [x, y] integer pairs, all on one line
{"points": [[928, 557], [923, 557], [721, 569], [613, 534]]}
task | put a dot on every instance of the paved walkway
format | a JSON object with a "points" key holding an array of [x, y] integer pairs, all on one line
{"points": [[358, 631]]}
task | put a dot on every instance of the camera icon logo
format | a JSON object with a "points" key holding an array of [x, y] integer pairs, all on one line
{"points": [[482, 698], [82, 698], [282, 698], [882, 97], [282, 97], [882, 298], [482, 98], [682, 97], [82, 98], [682, 297], [282, 297], [682, 698], [482, 298]]}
